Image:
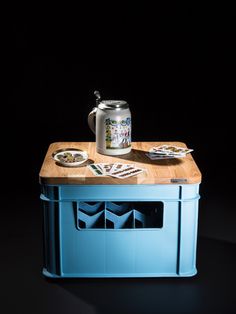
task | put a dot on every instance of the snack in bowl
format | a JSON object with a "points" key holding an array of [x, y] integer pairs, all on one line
{"points": [[70, 157]]}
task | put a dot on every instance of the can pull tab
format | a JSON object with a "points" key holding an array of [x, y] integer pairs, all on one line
{"points": [[98, 97]]}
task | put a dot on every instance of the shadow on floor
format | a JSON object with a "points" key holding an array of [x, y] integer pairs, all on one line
{"points": [[211, 290]]}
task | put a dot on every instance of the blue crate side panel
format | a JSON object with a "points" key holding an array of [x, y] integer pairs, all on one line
{"points": [[166, 251], [157, 250], [51, 237], [117, 192], [189, 191], [130, 253], [113, 192], [188, 237]]}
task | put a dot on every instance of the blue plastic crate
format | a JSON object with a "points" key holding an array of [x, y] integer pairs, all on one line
{"points": [[120, 231]]}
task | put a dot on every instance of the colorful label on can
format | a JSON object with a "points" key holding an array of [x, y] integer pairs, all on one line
{"points": [[118, 133]]}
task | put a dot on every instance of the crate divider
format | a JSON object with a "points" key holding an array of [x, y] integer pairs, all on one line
{"points": [[88, 220], [112, 215], [91, 207], [139, 219], [119, 221], [118, 207]]}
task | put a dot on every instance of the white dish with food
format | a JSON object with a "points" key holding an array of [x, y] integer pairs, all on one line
{"points": [[70, 157]]}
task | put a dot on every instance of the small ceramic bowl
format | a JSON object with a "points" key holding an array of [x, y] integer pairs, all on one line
{"points": [[70, 157]]}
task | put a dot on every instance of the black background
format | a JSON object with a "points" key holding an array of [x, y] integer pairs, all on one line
{"points": [[174, 65]]}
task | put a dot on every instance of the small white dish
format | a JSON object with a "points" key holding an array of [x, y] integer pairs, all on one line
{"points": [[70, 157]]}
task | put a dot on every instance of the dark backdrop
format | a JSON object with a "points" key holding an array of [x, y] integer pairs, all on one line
{"points": [[174, 65]]}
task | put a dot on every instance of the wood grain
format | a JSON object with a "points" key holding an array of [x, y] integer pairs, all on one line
{"points": [[157, 172]]}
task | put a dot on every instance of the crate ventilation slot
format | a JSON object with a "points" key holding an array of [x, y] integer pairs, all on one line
{"points": [[119, 215]]}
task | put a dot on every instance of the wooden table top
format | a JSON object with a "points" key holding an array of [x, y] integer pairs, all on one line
{"points": [[177, 170]]}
